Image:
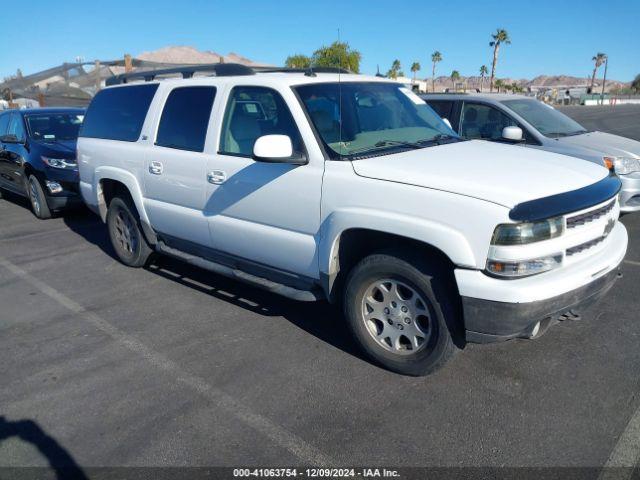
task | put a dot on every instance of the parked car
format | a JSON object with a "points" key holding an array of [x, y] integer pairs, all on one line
{"points": [[350, 188], [38, 157], [531, 123]]}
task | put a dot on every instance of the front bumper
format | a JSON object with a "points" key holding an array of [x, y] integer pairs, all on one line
{"points": [[487, 321], [498, 309], [630, 193]]}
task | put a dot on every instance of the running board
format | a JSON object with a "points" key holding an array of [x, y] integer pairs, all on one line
{"points": [[260, 282]]}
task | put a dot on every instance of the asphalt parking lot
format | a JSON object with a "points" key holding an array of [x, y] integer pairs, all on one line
{"points": [[103, 365]]}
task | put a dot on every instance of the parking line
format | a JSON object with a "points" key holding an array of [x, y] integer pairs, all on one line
{"points": [[626, 454], [631, 262], [279, 435]]}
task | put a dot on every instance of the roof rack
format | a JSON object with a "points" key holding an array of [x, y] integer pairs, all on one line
{"points": [[309, 71], [187, 71]]}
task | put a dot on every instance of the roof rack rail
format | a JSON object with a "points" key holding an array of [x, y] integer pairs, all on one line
{"points": [[187, 71]]}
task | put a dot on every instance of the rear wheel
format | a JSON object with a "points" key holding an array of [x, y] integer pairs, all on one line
{"points": [[126, 234], [402, 313], [37, 198]]}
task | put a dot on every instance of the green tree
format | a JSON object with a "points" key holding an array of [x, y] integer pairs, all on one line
{"points": [[499, 84], [394, 71], [483, 73], [415, 68], [500, 37], [455, 76], [435, 58], [597, 60], [635, 85], [297, 61], [338, 54]]}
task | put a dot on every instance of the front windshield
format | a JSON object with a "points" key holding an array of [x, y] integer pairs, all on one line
{"points": [[371, 118], [50, 127], [547, 120]]}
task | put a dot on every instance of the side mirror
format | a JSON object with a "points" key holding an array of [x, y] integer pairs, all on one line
{"points": [[276, 149], [446, 120], [512, 134], [10, 139]]}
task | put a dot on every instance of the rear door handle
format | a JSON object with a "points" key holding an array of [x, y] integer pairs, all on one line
{"points": [[216, 177], [156, 168]]}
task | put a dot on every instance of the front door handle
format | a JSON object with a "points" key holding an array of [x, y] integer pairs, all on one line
{"points": [[156, 168], [216, 177]]}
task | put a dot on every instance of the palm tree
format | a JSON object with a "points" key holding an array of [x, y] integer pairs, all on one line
{"points": [[598, 61], [499, 84], [501, 36], [415, 67], [455, 76], [435, 58], [483, 73], [635, 85], [394, 71]]}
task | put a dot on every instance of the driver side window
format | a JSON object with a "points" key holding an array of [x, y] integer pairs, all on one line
{"points": [[478, 121], [16, 127], [251, 113]]}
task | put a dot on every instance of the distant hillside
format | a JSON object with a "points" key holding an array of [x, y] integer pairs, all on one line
{"points": [[191, 55], [539, 81]]}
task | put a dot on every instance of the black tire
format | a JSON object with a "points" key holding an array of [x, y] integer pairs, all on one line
{"points": [[125, 232], [38, 200], [436, 295]]}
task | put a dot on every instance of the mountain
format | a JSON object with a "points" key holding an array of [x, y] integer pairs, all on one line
{"points": [[549, 81], [191, 55]]}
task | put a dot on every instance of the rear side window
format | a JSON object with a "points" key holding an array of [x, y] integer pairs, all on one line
{"points": [[118, 113], [185, 118]]}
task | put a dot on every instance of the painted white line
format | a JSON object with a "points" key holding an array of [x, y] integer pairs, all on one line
{"points": [[282, 437], [626, 454], [631, 262]]}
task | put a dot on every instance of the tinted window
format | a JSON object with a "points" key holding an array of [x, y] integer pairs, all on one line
{"points": [[483, 121], [118, 113], [546, 119], [16, 127], [185, 118], [442, 108], [251, 113], [4, 124]]}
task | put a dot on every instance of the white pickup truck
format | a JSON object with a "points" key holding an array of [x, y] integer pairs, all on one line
{"points": [[322, 185]]}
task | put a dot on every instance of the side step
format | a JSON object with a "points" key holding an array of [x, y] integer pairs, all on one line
{"points": [[260, 282]]}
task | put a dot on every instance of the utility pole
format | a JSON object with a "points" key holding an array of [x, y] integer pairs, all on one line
{"points": [[97, 73], [604, 80]]}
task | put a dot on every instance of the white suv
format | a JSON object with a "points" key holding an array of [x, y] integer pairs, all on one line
{"points": [[350, 188]]}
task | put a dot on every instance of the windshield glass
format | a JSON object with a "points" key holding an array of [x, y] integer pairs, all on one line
{"points": [[547, 120], [372, 118], [54, 126]]}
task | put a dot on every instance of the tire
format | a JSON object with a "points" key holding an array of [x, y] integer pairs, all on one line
{"points": [[125, 233], [38, 200], [421, 331]]}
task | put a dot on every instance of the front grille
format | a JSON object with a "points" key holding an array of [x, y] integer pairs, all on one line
{"points": [[585, 246], [591, 216]]}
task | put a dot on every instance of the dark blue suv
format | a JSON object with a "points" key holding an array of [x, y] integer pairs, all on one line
{"points": [[38, 157]]}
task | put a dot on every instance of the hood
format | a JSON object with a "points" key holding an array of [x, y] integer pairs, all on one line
{"points": [[56, 149], [502, 174], [605, 143]]}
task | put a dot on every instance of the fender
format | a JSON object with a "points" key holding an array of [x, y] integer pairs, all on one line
{"points": [[448, 240], [124, 177]]}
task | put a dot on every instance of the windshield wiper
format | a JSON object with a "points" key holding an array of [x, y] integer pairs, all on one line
{"points": [[437, 140]]}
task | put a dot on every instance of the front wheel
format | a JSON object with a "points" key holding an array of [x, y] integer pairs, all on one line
{"points": [[37, 198], [126, 234], [403, 316]]}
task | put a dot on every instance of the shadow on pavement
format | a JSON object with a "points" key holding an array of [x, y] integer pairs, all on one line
{"points": [[60, 460], [320, 319]]}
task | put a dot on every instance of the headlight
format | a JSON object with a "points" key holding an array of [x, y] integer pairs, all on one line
{"points": [[60, 163], [523, 268], [525, 233], [625, 165]]}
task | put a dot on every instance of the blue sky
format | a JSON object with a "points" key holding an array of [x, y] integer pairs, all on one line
{"points": [[549, 37]]}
